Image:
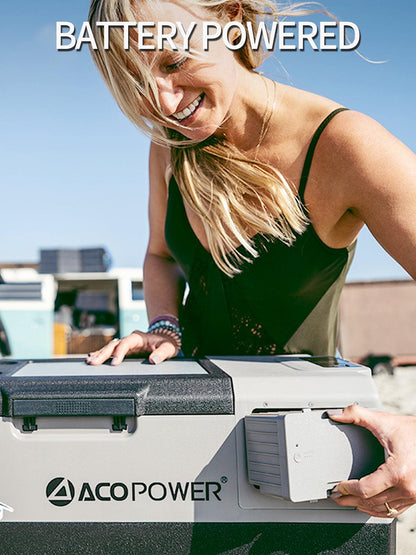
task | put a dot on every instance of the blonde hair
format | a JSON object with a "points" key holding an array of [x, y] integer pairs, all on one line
{"points": [[236, 197]]}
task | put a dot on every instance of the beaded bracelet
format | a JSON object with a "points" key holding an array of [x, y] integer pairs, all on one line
{"points": [[168, 326], [164, 324], [172, 319]]}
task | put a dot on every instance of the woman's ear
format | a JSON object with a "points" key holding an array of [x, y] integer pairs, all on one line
{"points": [[235, 11]]}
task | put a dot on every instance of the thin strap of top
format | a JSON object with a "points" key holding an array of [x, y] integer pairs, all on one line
{"points": [[311, 150]]}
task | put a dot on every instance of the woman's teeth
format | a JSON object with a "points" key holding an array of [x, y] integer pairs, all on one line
{"points": [[189, 110]]}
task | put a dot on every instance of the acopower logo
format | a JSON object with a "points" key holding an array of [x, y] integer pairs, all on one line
{"points": [[61, 491]]}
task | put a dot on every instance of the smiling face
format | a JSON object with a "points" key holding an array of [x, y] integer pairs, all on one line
{"points": [[195, 92]]}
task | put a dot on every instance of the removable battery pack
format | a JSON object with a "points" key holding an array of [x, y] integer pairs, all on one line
{"points": [[303, 455]]}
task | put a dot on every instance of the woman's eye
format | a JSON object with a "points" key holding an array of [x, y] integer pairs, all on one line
{"points": [[176, 64]]}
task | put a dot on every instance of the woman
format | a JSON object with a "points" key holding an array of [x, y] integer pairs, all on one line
{"points": [[257, 194]]}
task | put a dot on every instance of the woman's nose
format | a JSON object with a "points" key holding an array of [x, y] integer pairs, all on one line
{"points": [[170, 95]]}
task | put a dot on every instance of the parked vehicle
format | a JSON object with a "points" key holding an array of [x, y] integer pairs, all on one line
{"points": [[26, 312], [68, 313]]}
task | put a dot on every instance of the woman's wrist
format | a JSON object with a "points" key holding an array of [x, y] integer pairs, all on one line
{"points": [[167, 326]]}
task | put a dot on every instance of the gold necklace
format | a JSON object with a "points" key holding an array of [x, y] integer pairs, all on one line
{"points": [[266, 118]]}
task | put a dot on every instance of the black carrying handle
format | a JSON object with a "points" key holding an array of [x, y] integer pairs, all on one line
{"points": [[73, 407]]}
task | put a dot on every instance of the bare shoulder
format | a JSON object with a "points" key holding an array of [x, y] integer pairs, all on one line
{"points": [[351, 126], [159, 163], [371, 175], [159, 151], [360, 164], [361, 154], [360, 173]]}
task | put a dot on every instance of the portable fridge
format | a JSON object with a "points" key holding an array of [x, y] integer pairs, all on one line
{"points": [[218, 455]]}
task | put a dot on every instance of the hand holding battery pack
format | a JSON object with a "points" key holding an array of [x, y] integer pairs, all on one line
{"points": [[392, 486], [158, 347]]}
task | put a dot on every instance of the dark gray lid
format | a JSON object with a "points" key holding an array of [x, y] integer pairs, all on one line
{"points": [[69, 387]]}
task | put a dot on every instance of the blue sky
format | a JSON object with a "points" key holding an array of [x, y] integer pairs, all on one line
{"points": [[74, 169]]}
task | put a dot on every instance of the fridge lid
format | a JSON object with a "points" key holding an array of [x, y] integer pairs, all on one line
{"points": [[70, 387]]}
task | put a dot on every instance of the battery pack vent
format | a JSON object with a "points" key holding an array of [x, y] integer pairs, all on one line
{"points": [[263, 446]]}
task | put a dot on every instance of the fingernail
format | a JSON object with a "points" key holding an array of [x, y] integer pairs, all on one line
{"points": [[334, 412], [115, 361], [93, 359], [335, 495], [155, 359], [339, 488]]}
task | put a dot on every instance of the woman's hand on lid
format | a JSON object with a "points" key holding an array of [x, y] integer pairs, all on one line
{"points": [[158, 347]]}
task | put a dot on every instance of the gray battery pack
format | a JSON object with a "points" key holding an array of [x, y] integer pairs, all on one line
{"points": [[303, 455]]}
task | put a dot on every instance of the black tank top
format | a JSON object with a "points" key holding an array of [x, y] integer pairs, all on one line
{"points": [[284, 301]]}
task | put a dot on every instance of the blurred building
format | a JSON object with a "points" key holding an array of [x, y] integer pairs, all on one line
{"points": [[378, 318]]}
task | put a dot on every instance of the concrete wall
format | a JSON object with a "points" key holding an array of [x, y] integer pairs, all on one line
{"points": [[378, 318]]}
